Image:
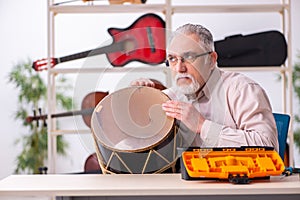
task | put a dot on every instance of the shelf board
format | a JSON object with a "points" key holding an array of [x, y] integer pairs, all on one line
{"points": [[256, 69], [109, 70], [138, 8], [101, 9], [230, 8], [156, 68], [63, 132]]}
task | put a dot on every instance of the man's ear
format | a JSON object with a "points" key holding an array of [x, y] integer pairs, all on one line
{"points": [[167, 63], [214, 57]]}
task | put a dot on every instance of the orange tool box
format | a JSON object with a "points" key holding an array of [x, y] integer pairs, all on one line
{"points": [[238, 165]]}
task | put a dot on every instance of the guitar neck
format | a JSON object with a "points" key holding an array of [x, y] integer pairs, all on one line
{"points": [[88, 111], [120, 46]]}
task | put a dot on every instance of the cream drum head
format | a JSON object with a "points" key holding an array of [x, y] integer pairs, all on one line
{"points": [[131, 119]]}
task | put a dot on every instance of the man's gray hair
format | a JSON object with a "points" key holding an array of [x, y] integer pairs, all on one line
{"points": [[203, 33]]}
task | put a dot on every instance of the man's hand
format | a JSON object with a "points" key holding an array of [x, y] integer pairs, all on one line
{"points": [[186, 113], [143, 82], [148, 82]]}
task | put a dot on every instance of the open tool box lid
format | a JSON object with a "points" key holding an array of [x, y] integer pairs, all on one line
{"points": [[238, 165]]}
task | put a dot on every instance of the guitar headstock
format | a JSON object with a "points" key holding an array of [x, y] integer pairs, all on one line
{"points": [[40, 65], [36, 118]]}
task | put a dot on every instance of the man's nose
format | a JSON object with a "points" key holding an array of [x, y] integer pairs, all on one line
{"points": [[180, 66]]}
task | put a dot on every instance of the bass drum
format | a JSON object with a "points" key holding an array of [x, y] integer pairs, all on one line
{"points": [[132, 134]]}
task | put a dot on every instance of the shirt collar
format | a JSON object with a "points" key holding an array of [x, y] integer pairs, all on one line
{"points": [[211, 83]]}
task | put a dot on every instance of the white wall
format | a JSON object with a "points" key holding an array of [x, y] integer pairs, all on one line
{"points": [[23, 34]]}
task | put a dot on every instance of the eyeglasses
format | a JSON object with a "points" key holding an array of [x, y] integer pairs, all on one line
{"points": [[186, 57]]}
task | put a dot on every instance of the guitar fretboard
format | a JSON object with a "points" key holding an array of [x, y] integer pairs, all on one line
{"points": [[119, 46]]}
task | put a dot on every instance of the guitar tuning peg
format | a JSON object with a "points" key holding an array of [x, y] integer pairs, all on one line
{"points": [[45, 123], [37, 121], [44, 118], [40, 114]]}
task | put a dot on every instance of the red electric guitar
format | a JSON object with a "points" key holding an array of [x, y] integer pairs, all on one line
{"points": [[143, 41]]}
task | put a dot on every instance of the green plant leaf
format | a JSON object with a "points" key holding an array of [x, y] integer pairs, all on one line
{"points": [[296, 86], [32, 95]]}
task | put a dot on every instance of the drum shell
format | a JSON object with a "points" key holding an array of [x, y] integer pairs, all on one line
{"points": [[161, 158]]}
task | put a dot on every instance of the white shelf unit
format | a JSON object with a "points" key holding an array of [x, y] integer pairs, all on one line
{"points": [[168, 9]]}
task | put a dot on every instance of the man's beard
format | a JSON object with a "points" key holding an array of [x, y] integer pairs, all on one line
{"points": [[189, 89]]}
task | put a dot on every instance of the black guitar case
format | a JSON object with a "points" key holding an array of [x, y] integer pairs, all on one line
{"points": [[259, 49]]}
